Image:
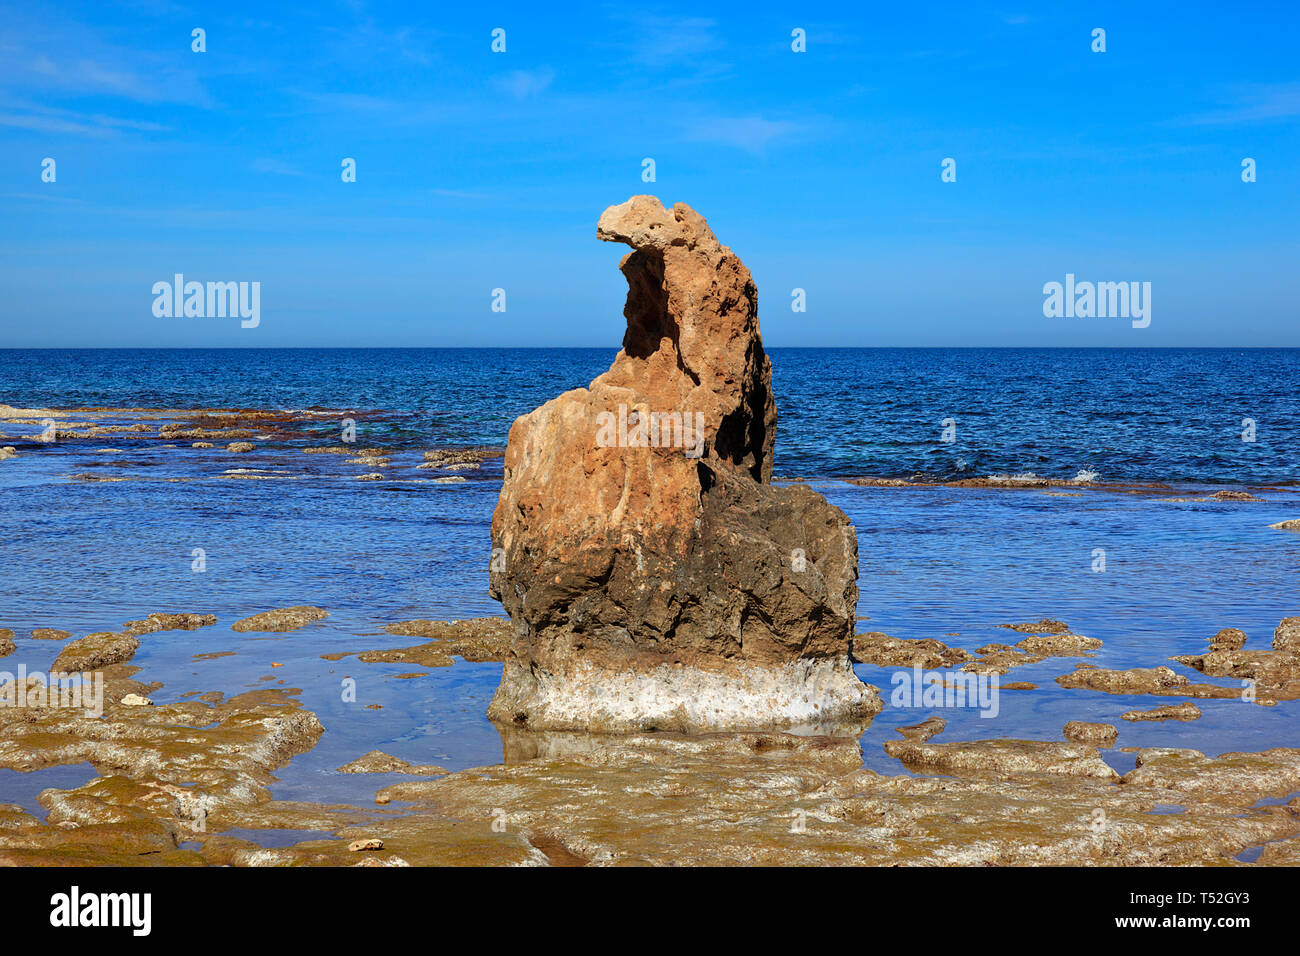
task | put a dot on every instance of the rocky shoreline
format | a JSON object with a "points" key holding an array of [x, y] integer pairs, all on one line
{"points": [[267, 444], [187, 783], [225, 444]]}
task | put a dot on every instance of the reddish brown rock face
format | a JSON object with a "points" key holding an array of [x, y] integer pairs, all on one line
{"points": [[655, 579]]}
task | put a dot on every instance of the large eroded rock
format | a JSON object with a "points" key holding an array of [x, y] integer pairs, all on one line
{"points": [[654, 577]]}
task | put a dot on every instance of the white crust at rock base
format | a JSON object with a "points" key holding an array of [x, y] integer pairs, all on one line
{"points": [[822, 696]]}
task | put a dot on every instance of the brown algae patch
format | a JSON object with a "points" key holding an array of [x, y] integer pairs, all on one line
{"points": [[163, 621], [168, 773], [1097, 735], [1157, 681], [882, 650], [477, 640], [1274, 674], [1045, 626], [96, 651], [186, 772], [379, 762], [1186, 711], [1002, 756], [1045, 639], [660, 799], [280, 619], [923, 731], [769, 799]]}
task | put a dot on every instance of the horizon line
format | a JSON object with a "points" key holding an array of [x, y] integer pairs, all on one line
{"points": [[540, 348]]}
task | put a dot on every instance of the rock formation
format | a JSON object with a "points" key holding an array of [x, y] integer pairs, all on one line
{"points": [[656, 580]]}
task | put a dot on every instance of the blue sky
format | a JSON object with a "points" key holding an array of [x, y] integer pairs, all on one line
{"points": [[479, 170]]}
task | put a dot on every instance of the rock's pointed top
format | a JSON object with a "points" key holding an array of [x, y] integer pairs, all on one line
{"points": [[643, 223]]}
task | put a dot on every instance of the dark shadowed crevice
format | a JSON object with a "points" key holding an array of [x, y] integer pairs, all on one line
{"points": [[649, 321], [742, 435]]}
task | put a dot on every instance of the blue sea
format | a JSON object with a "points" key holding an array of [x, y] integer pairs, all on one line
{"points": [[943, 562], [1125, 414]]}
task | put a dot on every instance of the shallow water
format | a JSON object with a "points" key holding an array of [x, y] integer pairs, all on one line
{"points": [[88, 556], [23, 788]]}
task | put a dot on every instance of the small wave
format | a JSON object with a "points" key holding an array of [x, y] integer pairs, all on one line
{"points": [[1087, 475], [1024, 477]]}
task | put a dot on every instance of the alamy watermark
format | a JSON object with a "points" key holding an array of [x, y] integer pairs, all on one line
{"points": [[36, 689], [934, 689], [1102, 300], [637, 429], [213, 300], [74, 908]]}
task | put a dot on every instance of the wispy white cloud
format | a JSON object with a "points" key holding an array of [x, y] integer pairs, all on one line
{"points": [[50, 120], [1252, 104], [522, 84], [662, 41], [275, 167], [678, 39], [49, 196], [366, 107], [750, 133], [54, 57], [351, 102], [366, 38], [414, 45], [462, 194]]}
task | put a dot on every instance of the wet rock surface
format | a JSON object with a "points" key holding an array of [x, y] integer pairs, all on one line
{"points": [[1098, 735], [1232, 779], [166, 773], [776, 800], [379, 762], [1059, 645], [281, 619], [163, 621], [925, 730], [1002, 756], [885, 651], [1045, 626], [1274, 674], [1046, 639], [458, 458], [1138, 680], [96, 651], [1167, 712], [476, 640], [189, 773], [289, 435]]}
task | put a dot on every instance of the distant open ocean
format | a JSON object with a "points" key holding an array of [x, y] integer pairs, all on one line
{"points": [[938, 562], [1121, 414]]}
